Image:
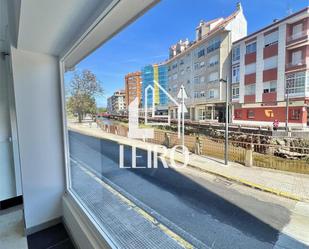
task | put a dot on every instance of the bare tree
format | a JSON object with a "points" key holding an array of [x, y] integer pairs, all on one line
{"points": [[84, 87]]}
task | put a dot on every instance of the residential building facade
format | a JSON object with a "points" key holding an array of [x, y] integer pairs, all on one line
{"points": [[150, 75], [133, 88], [116, 104], [268, 64], [200, 65]]}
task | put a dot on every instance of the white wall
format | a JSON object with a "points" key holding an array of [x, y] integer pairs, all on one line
{"points": [[38, 108]]}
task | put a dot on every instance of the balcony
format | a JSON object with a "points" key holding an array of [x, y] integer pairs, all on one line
{"points": [[249, 99], [296, 65], [298, 37], [269, 97]]}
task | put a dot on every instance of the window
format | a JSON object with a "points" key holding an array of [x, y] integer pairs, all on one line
{"points": [[181, 62], [271, 39], [202, 79], [214, 76], [201, 114], [213, 44], [250, 68], [213, 61], [297, 57], [236, 53], [250, 114], [271, 62], [250, 89], [251, 48], [182, 72], [196, 80], [202, 64], [296, 82], [174, 65], [235, 74], [295, 114], [175, 76], [201, 53], [297, 31], [212, 93], [269, 87], [196, 66], [235, 91], [188, 68], [202, 94]]}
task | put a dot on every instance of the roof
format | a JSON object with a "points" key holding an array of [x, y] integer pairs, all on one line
{"points": [[217, 28], [272, 25]]}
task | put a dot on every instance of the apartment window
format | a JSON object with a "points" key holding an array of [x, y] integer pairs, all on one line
{"points": [[182, 72], [175, 76], [295, 114], [271, 39], [196, 66], [196, 94], [174, 65], [235, 92], [250, 89], [213, 44], [250, 68], [202, 94], [188, 68], [202, 64], [235, 74], [251, 48], [201, 114], [236, 53], [297, 57], [213, 61], [297, 31], [214, 76], [271, 62], [250, 114], [181, 62], [202, 79], [196, 80], [201, 53], [269, 87], [296, 83], [212, 93]]}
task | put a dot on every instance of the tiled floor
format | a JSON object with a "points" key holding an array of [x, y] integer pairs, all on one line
{"points": [[55, 237]]}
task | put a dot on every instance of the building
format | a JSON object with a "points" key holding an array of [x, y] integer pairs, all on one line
{"points": [[116, 104], [133, 87], [201, 64], [150, 74], [264, 65]]}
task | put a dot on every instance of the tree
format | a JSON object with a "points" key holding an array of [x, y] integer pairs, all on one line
{"points": [[84, 87]]}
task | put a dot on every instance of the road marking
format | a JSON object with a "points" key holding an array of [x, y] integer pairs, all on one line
{"points": [[143, 213]]}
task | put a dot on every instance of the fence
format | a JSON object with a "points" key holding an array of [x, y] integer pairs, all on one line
{"points": [[281, 157]]}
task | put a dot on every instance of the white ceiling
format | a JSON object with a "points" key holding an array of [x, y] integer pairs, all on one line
{"points": [[50, 26]]}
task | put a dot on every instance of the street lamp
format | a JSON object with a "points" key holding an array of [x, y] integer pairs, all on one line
{"points": [[226, 155], [287, 86]]}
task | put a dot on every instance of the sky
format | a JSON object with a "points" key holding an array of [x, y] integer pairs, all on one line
{"points": [[147, 40]]}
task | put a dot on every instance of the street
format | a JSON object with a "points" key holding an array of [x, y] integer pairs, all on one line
{"points": [[203, 209]]}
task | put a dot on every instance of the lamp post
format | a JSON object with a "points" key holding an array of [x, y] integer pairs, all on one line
{"points": [[226, 147], [287, 105]]}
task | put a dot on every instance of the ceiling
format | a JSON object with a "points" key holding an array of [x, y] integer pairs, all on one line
{"points": [[50, 26]]}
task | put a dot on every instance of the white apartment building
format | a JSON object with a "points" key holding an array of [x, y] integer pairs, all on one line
{"points": [[200, 65], [116, 103], [264, 65]]}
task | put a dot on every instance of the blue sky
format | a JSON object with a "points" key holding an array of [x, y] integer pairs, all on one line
{"points": [[147, 40]]}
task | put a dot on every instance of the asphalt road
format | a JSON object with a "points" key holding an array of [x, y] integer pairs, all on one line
{"points": [[202, 209]]}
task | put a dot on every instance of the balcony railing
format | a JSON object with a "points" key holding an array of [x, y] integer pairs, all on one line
{"points": [[297, 36], [300, 63]]}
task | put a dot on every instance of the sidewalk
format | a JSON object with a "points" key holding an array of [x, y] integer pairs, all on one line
{"points": [[291, 185]]}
